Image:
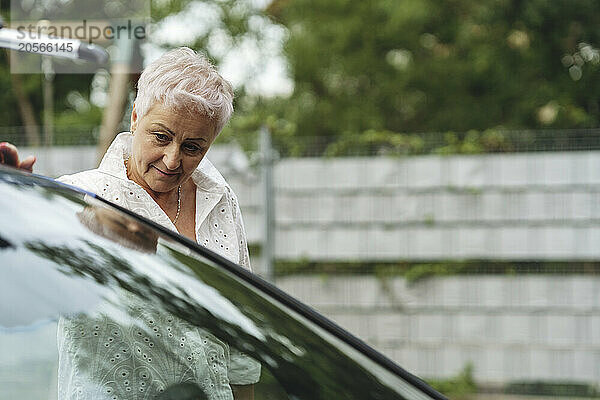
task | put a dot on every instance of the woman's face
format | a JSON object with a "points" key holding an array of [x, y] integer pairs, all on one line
{"points": [[167, 147]]}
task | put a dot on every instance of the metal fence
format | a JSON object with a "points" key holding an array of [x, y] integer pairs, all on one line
{"points": [[73, 135], [370, 143], [374, 143]]}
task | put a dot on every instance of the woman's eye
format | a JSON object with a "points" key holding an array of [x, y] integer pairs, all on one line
{"points": [[191, 147], [161, 137]]}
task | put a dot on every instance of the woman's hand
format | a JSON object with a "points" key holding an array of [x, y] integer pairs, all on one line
{"points": [[9, 155]]}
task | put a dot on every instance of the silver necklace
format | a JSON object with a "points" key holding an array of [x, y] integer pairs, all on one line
{"points": [[178, 193], [178, 204]]}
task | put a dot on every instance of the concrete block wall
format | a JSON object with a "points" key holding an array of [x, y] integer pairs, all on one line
{"points": [[525, 327], [528, 206], [62, 160]]}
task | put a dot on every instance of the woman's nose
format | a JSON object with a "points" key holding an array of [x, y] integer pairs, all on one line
{"points": [[172, 157]]}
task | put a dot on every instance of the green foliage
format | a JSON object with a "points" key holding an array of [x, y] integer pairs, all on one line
{"points": [[424, 65], [423, 271], [459, 387], [91, 117], [415, 272], [558, 389], [306, 266], [77, 128], [376, 142], [251, 115], [373, 142], [8, 104]]}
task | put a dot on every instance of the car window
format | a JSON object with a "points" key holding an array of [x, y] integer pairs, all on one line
{"points": [[95, 303]]}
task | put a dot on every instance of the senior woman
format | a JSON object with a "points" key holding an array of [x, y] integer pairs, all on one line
{"points": [[158, 170]]}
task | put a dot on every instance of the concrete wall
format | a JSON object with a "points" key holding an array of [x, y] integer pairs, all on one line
{"points": [[510, 328], [534, 206], [63, 160]]}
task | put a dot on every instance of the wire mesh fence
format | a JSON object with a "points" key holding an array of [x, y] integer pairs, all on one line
{"points": [[374, 143], [74, 135], [370, 143]]}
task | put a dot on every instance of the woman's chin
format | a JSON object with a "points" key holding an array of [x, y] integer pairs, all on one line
{"points": [[160, 185], [163, 188]]}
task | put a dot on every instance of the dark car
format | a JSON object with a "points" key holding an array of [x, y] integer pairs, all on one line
{"points": [[67, 255]]}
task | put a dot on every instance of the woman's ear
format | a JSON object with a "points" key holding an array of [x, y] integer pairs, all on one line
{"points": [[134, 120]]}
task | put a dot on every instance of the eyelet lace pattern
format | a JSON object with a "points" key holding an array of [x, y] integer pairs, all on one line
{"points": [[137, 355]]}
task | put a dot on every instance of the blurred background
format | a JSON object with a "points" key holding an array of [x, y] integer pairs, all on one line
{"points": [[425, 173]]}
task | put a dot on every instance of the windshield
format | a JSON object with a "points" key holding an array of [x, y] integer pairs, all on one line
{"points": [[95, 303]]}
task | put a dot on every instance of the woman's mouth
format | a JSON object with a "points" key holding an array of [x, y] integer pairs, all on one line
{"points": [[164, 173]]}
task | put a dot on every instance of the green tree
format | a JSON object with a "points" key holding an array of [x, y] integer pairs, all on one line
{"points": [[425, 65]]}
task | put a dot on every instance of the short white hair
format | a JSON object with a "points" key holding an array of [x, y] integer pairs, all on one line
{"points": [[184, 79]]}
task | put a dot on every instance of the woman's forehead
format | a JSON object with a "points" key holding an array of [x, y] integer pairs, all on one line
{"points": [[180, 122]]}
